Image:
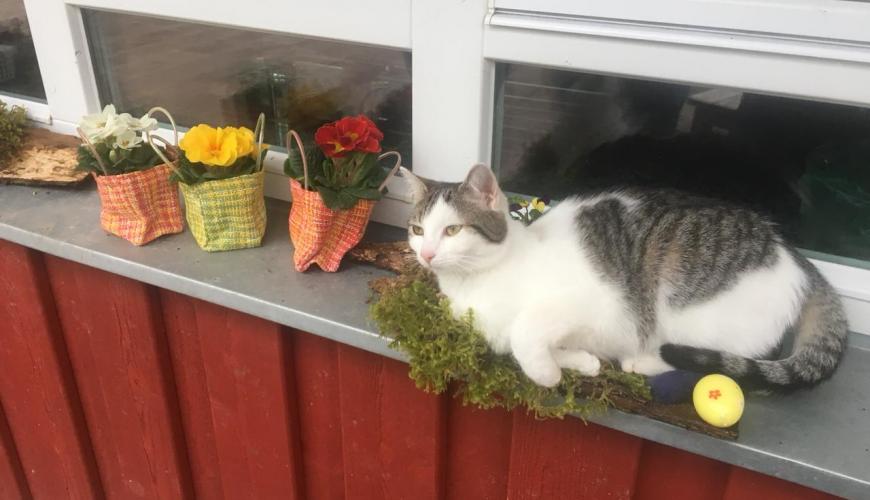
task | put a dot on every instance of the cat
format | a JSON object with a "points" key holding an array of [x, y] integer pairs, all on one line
{"points": [[653, 280]]}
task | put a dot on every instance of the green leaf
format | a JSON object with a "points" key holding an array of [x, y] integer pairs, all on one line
{"points": [[293, 165], [368, 163], [346, 200], [364, 192], [329, 196]]}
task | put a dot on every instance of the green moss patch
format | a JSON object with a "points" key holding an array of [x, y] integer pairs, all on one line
{"points": [[445, 351], [12, 121]]}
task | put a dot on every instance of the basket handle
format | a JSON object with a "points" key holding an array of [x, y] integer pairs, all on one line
{"points": [[88, 144], [259, 131], [157, 150], [393, 170], [299, 145]]}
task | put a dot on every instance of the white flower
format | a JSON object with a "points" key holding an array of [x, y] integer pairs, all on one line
{"points": [[128, 139], [93, 125], [115, 126], [146, 124]]}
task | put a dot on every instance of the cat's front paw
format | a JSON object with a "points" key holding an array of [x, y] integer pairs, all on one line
{"points": [[545, 376], [581, 361]]}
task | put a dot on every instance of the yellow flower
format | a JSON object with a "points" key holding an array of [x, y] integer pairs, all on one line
{"points": [[218, 147]]}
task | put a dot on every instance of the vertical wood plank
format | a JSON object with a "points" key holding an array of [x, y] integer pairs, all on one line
{"points": [[37, 391], [182, 334], [569, 459], [744, 484], [238, 401], [392, 432], [13, 485], [117, 346], [478, 454], [315, 361], [666, 473]]}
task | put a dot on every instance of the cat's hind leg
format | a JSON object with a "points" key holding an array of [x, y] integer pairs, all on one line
{"points": [[648, 364]]}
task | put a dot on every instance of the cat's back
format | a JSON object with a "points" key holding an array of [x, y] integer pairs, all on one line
{"points": [[699, 246]]}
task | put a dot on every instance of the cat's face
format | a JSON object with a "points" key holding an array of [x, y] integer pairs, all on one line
{"points": [[458, 228]]}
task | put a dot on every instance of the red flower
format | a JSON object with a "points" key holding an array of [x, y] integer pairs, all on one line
{"points": [[714, 394], [351, 133]]}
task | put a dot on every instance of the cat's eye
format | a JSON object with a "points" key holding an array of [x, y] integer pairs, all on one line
{"points": [[452, 230], [418, 230]]}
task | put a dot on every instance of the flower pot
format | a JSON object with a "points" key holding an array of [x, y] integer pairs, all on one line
{"points": [[226, 214], [139, 206], [320, 234]]}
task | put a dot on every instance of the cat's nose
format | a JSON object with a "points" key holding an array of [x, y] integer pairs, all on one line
{"points": [[427, 255]]}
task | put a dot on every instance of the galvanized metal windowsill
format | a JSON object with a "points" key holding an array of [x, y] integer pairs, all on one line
{"points": [[818, 438]]}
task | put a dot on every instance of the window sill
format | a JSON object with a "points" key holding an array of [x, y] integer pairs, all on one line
{"points": [[818, 438]]}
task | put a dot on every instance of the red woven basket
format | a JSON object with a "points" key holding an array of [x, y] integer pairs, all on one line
{"points": [[320, 234], [139, 206]]}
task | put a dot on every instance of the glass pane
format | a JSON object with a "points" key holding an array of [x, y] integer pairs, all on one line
{"points": [[19, 70], [223, 76], [804, 163]]}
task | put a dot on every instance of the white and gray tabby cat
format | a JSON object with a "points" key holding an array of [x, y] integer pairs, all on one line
{"points": [[653, 280]]}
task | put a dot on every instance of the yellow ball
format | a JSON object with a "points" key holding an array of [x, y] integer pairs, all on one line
{"points": [[718, 400]]}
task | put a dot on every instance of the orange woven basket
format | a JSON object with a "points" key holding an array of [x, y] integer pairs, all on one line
{"points": [[139, 206], [320, 234]]}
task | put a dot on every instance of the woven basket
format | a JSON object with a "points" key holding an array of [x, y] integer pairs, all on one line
{"points": [[139, 206], [226, 214], [320, 234]]}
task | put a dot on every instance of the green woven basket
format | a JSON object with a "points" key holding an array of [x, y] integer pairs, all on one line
{"points": [[226, 214]]}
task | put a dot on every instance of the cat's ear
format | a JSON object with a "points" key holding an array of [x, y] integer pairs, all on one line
{"points": [[482, 185], [415, 184]]}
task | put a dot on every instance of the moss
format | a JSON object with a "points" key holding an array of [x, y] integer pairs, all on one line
{"points": [[12, 121], [444, 350]]}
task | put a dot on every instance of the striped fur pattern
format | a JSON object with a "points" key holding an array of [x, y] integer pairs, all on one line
{"points": [[652, 280]]}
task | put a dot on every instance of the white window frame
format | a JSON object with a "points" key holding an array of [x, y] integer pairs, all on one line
{"points": [[455, 44], [820, 19]]}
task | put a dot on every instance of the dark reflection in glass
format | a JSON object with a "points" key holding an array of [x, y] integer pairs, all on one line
{"points": [[805, 163], [222, 76], [19, 69]]}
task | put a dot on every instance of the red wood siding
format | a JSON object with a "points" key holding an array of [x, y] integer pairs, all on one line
{"points": [[110, 388]]}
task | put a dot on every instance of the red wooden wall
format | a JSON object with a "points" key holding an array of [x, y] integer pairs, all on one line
{"points": [[110, 388]]}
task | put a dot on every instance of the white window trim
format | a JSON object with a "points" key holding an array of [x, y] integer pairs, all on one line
{"points": [[819, 19], [455, 44]]}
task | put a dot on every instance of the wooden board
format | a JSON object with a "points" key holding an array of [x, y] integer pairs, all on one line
{"points": [[40, 401], [45, 158], [117, 347], [237, 399]]}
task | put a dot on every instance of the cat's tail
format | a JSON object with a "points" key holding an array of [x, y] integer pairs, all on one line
{"points": [[818, 346]]}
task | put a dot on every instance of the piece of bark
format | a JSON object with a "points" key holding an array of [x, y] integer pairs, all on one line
{"points": [[682, 415], [45, 158], [398, 257], [392, 256]]}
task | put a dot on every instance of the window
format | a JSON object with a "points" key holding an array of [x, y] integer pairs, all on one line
{"points": [[19, 69], [805, 163], [222, 75]]}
